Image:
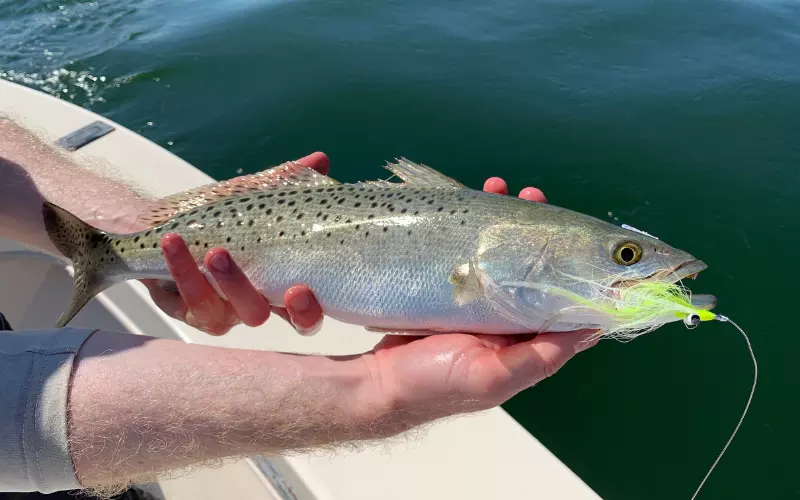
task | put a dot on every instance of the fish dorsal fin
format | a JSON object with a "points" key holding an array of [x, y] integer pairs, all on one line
{"points": [[282, 176], [416, 175]]}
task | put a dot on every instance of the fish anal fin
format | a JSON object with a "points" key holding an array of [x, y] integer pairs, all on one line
{"points": [[283, 176]]}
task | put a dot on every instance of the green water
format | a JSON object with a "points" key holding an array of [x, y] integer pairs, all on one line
{"points": [[680, 118]]}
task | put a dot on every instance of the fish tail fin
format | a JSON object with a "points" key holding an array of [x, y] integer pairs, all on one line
{"points": [[79, 242]]}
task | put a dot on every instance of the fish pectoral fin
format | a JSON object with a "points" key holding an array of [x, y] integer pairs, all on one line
{"points": [[285, 175], [416, 175], [466, 285]]}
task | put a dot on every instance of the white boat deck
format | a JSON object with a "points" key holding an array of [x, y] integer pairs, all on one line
{"points": [[486, 455]]}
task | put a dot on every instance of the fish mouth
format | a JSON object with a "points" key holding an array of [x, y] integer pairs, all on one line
{"points": [[689, 269]]}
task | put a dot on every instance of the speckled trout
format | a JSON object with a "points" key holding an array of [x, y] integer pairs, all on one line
{"points": [[424, 254]]}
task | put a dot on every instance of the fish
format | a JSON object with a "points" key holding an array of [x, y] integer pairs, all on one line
{"points": [[427, 254]]}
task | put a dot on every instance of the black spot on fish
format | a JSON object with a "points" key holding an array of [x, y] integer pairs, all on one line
{"points": [[325, 217], [239, 222], [309, 199], [328, 235], [366, 234], [403, 210], [371, 216], [291, 203], [306, 191], [356, 205], [452, 212], [249, 207], [358, 226], [341, 200], [250, 222], [155, 245], [217, 213], [409, 232], [416, 212], [385, 228], [463, 222], [269, 211], [430, 202], [244, 200], [466, 211], [292, 192], [281, 201], [242, 248], [228, 239], [440, 209], [141, 245], [281, 234], [302, 233], [147, 234], [136, 240], [228, 203], [220, 224], [373, 205], [278, 218]]}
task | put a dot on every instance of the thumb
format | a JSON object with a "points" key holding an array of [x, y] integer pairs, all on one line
{"points": [[531, 362]]}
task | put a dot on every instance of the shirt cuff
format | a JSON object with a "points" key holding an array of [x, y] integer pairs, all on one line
{"points": [[35, 373]]}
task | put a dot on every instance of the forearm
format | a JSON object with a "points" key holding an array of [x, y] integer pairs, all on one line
{"points": [[142, 406], [32, 171]]}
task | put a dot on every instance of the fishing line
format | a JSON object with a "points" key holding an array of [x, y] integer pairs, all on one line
{"points": [[636, 310], [694, 320]]}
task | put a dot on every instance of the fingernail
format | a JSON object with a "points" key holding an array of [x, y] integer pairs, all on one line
{"points": [[301, 303], [170, 248], [220, 262]]}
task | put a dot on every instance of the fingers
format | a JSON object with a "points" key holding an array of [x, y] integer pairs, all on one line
{"points": [[318, 161], [302, 310], [204, 307], [533, 194], [533, 361], [248, 303], [496, 185]]}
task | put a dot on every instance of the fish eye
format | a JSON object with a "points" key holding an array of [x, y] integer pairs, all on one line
{"points": [[627, 254]]}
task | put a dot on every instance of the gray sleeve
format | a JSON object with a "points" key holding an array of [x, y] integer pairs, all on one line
{"points": [[35, 371]]}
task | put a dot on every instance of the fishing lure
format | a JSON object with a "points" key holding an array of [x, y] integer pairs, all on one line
{"points": [[645, 306]]}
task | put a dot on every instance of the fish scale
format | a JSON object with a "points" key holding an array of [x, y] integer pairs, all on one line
{"points": [[380, 254]]}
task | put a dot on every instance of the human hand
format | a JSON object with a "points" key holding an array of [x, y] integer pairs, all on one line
{"points": [[197, 303], [434, 376]]}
